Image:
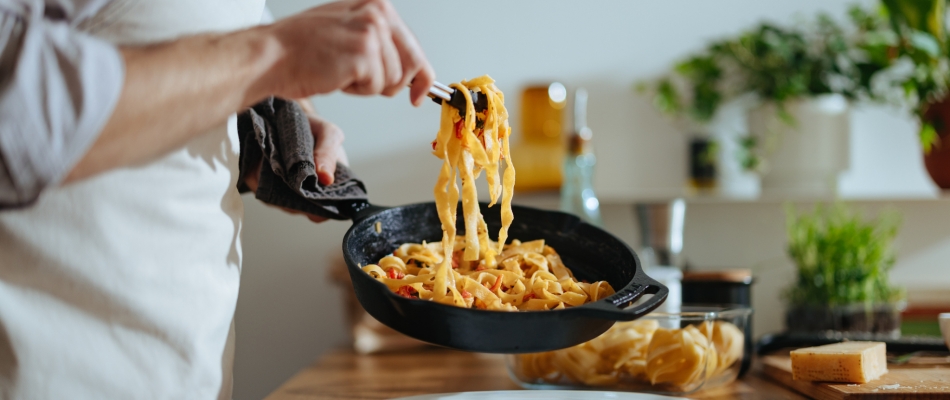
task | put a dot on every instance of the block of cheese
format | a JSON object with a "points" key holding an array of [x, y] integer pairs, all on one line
{"points": [[851, 362]]}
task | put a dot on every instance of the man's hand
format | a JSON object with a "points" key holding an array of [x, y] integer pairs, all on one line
{"points": [[327, 151], [358, 46], [327, 144]]}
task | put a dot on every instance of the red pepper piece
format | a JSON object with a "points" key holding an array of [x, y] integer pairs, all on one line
{"points": [[458, 128], [407, 291], [496, 285], [466, 294], [529, 296]]}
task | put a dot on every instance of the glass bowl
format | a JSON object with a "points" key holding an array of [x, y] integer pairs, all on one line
{"points": [[666, 353]]}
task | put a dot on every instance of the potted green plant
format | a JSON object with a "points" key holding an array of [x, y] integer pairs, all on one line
{"points": [[907, 47], [802, 77], [842, 263]]}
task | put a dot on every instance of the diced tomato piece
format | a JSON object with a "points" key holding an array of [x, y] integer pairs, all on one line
{"points": [[466, 294], [407, 291], [392, 273], [458, 128], [455, 259], [434, 143], [497, 284], [529, 296], [481, 267]]}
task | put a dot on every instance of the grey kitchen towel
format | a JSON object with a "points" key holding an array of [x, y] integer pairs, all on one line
{"points": [[276, 134]]}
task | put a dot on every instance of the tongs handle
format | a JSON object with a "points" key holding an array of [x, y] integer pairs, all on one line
{"points": [[440, 92]]}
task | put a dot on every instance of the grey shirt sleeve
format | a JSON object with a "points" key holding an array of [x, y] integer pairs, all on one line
{"points": [[58, 88]]}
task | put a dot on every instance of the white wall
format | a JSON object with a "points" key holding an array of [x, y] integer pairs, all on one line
{"points": [[288, 313]]}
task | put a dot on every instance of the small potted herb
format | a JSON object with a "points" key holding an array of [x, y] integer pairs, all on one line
{"points": [[842, 263]]}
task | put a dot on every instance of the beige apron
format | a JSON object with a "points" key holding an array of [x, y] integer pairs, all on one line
{"points": [[123, 286]]}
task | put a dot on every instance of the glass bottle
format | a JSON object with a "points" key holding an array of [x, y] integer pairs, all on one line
{"points": [[577, 189]]}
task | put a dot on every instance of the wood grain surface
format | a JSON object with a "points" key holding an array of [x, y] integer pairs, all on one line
{"points": [[346, 375], [898, 383]]}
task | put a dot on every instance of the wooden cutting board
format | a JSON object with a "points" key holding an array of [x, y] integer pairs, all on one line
{"points": [[898, 383]]}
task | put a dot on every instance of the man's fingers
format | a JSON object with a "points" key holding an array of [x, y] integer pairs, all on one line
{"points": [[369, 73], [358, 46], [421, 83], [391, 62], [329, 140], [315, 218]]}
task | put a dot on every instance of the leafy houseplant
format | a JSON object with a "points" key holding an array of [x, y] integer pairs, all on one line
{"points": [[907, 46], [774, 63], [842, 263], [909, 34]]}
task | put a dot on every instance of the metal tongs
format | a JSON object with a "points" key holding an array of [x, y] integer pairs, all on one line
{"points": [[440, 92]]}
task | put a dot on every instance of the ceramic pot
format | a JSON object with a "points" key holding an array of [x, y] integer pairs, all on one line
{"points": [[803, 158]]}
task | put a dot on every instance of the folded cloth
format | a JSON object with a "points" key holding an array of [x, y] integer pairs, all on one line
{"points": [[275, 133]]}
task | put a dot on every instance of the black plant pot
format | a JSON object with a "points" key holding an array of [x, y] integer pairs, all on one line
{"points": [[879, 319]]}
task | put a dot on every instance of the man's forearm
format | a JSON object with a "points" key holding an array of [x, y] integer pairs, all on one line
{"points": [[175, 91]]}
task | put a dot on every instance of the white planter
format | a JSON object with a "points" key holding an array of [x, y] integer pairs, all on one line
{"points": [[804, 159]]}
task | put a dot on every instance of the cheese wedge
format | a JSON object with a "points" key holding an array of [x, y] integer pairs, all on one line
{"points": [[852, 362]]}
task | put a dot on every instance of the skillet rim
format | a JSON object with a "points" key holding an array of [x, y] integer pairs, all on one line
{"points": [[592, 309]]}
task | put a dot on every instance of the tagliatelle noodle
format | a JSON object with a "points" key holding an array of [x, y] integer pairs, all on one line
{"points": [[474, 271]]}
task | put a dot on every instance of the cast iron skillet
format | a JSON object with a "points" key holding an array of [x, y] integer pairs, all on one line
{"points": [[591, 253]]}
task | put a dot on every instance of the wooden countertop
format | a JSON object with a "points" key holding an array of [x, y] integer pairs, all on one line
{"points": [[344, 374]]}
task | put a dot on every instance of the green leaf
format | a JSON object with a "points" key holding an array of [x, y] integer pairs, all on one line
{"points": [[919, 15], [748, 158], [928, 136], [925, 42], [667, 98]]}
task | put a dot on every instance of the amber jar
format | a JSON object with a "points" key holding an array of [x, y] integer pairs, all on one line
{"points": [[539, 145]]}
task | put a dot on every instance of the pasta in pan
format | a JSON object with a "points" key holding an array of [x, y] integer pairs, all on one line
{"points": [[473, 270]]}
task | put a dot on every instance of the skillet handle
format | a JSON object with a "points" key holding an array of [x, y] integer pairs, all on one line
{"points": [[358, 210], [617, 306]]}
